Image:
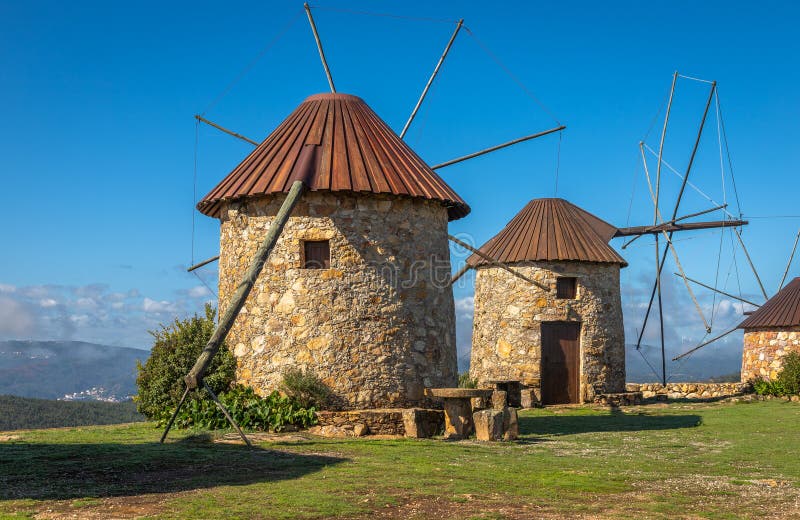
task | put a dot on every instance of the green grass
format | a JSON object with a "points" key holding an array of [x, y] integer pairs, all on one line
{"points": [[712, 460]]}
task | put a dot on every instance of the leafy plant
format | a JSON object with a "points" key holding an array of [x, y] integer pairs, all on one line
{"points": [[251, 411], [175, 350], [763, 386], [305, 387], [790, 375], [464, 381], [787, 382]]}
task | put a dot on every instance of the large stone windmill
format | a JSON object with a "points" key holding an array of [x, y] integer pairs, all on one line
{"points": [[350, 291]]}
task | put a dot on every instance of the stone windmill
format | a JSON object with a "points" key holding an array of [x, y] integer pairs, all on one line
{"points": [[350, 291]]}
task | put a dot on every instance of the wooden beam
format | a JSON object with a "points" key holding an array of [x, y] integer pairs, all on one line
{"points": [[319, 47], [223, 129], [672, 227], [195, 376], [496, 263], [498, 147], [701, 345], [729, 295], [201, 264], [430, 80]]}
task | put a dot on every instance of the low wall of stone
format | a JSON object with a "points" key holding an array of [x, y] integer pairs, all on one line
{"points": [[689, 390], [409, 422]]}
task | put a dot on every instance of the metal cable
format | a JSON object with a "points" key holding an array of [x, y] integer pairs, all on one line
{"points": [[252, 63], [383, 15], [728, 151], [516, 80]]}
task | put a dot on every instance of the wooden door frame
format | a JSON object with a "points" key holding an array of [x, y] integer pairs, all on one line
{"points": [[579, 383]]}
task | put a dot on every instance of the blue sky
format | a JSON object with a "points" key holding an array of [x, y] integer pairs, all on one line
{"points": [[98, 137]]}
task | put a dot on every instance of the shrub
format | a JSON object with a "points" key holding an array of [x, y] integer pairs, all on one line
{"points": [[305, 387], [175, 350], [787, 382], [249, 410], [464, 381], [790, 375]]}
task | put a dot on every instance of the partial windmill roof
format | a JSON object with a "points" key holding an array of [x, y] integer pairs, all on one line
{"points": [[782, 310], [334, 142], [552, 229]]}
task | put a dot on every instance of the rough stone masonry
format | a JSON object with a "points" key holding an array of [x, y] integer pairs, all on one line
{"points": [[378, 326], [764, 351]]}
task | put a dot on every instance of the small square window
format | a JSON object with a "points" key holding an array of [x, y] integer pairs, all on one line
{"points": [[566, 288], [316, 254]]}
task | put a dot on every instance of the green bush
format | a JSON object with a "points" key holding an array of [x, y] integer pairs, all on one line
{"points": [[305, 388], [790, 375], [787, 382], [765, 387], [250, 411], [174, 352], [464, 381]]}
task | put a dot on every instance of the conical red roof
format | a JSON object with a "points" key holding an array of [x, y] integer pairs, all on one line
{"points": [[552, 229], [334, 142], [782, 310]]}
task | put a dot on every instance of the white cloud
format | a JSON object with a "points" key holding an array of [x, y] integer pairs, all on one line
{"points": [[5, 288], [199, 291], [157, 307], [47, 302], [15, 319], [465, 306]]}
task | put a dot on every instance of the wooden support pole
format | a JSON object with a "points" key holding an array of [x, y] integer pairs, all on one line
{"points": [[789, 263], [226, 414], [673, 227], [701, 284], [201, 264], [195, 376], [675, 211], [174, 415], [223, 129], [498, 147], [661, 323], [430, 80], [497, 263], [671, 247], [461, 272], [752, 266], [661, 147], [319, 47], [701, 345]]}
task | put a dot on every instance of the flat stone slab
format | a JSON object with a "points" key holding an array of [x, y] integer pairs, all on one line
{"points": [[457, 393]]}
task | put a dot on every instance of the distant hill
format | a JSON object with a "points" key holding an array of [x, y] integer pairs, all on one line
{"points": [[68, 369], [22, 413], [719, 367]]}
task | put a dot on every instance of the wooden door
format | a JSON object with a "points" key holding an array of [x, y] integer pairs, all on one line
{"points": [[560, 369]]}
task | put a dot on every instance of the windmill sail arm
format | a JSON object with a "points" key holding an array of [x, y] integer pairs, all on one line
{"points": [[673, 227]]}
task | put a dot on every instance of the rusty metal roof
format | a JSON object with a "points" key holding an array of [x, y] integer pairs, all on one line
{"points": [[333, 142], [782, 310], [552, 229]]}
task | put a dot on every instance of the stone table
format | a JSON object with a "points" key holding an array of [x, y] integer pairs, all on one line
{"points": [[457, 409]]}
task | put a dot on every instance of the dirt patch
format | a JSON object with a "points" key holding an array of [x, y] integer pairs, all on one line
{"points": [[7, 438], [117, 508]]}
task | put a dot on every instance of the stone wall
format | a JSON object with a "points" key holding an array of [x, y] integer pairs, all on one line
{"points": [[409, 422], [506, 339], [377, 327], [688, 390], [764, 350]]}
